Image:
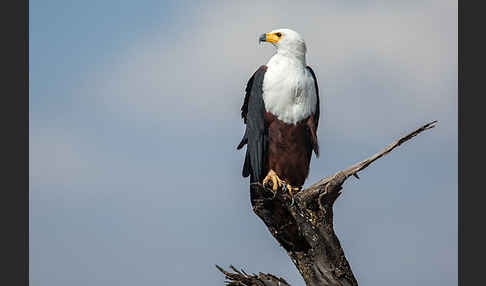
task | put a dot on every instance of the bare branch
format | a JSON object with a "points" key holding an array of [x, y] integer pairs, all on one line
{"points": [[240, 278], [317, 188]]}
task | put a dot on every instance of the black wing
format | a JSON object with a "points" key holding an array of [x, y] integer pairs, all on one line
{"points": [[317, 113], [256, 133]]}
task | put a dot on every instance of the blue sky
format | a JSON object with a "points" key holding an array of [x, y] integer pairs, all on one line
{"points": [[134, 120]]}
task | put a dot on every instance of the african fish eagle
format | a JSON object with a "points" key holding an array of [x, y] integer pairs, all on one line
{"points": [[281, 113]]}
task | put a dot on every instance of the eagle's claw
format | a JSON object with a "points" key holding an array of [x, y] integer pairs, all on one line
{"points": [[291, 190], [277, 182]]}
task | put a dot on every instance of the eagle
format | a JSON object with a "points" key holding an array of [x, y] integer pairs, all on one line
{"points": [[281, 114]]}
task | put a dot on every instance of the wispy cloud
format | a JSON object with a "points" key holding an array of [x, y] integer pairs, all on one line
{"points": [[372, 63]]}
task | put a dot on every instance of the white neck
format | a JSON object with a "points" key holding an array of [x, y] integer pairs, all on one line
{"points": [[292, 54]]}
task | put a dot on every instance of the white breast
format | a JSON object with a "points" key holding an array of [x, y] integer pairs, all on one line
{"points": [[288, 90]]}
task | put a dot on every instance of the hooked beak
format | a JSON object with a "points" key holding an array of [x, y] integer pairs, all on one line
{"points": [[269, 37], [263, 38]]}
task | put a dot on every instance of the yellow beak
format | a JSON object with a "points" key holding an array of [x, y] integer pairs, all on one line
{"points": [[269, 37]]}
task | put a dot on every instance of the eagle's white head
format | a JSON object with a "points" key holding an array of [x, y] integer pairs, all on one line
{"points": [[286, 41]]}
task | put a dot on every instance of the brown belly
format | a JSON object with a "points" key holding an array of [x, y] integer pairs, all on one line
{"points": [[289, 150]]}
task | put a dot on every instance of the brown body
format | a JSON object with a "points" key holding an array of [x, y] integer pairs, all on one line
{"points": [[290, 148]]}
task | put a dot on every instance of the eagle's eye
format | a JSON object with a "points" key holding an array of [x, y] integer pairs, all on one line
{"points": [[279, 34]]}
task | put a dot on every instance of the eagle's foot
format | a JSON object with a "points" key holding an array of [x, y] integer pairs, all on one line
{"points": [[291, 191], [276, 181]]}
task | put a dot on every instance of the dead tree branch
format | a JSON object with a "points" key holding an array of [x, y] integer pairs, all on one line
{"points": [[313, 191], [305, 228], [240, 278]]}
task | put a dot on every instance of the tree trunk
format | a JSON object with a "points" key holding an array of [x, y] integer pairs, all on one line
{"points": [[304, 227]]}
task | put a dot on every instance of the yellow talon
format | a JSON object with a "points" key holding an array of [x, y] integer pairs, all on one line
{"points": [[277, 182], [292, 189], [272, 176]]}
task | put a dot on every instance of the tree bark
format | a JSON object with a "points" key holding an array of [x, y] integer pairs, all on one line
{"points": [[304, 227]]}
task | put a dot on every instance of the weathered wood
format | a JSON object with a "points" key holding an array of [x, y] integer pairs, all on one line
{"points": [[306, 234], [304, 227]]}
